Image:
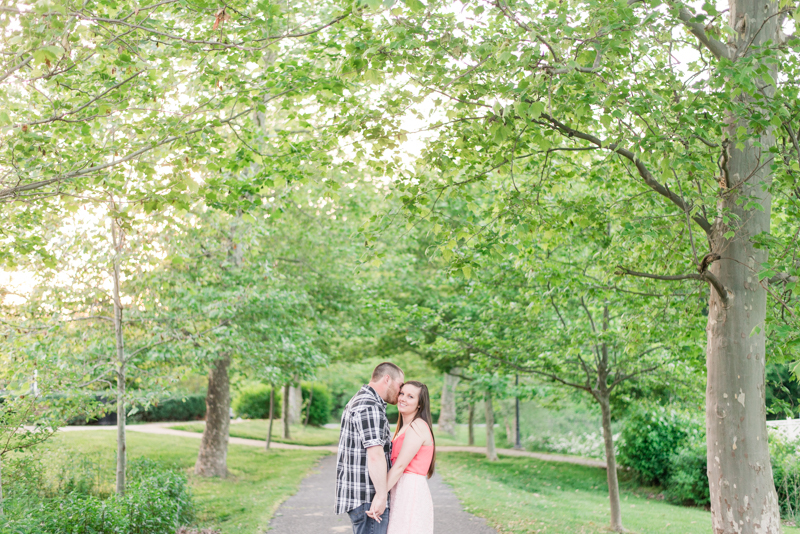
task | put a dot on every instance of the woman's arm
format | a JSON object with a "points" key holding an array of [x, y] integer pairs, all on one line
{"points": [[412, 442]]}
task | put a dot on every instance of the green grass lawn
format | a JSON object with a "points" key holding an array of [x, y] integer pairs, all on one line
{"points": [[302, 435], [241, 504], [462, 437], [523, 495], [257, 429]]}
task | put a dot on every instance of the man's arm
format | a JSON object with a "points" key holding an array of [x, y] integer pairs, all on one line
{"points": [[377, 468]]}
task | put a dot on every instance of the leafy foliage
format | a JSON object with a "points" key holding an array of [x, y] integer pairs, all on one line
{"points": [[158, 501], [687, 480], [651, 436], [252, 402], [183, 408], [319, 409]]}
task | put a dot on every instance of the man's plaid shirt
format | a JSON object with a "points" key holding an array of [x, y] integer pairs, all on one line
{"points": [[364, 424]]}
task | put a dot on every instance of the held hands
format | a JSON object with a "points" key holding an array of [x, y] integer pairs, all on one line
{"points": [[377, 508]]}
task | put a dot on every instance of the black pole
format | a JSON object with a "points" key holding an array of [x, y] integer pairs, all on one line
{"points": [[517, 443]]}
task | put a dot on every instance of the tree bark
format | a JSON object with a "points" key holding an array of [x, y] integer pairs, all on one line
{"points": [[491, 453], [611, 463], [743, 497], [286, 431], [447, 415], [212, 460], [271, 414], [471, 424], [296, 405], [119, 341], [517, 439]]}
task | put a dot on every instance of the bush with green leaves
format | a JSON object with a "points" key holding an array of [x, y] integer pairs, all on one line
{"points": [[785, 455], [184, 408], [321, 401], [651, 436], [157, 501], [252, 402], [687, 478]]}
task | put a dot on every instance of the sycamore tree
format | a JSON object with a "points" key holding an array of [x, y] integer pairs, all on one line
{"points": [[278, 276], [693, 114]]}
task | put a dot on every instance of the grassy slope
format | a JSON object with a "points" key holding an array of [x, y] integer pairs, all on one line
{"points": [[257, 429], [523, 495], [241, 504]]}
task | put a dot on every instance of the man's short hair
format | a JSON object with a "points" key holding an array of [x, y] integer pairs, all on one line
{"points": [[387, 368]]}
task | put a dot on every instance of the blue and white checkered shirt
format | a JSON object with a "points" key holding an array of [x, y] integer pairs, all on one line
{"points": [[364, 424]]}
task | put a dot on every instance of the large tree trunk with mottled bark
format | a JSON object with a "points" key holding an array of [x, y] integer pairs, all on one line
{"points": [[491, 453], [743, 497], [212, 461], [447, 415]]}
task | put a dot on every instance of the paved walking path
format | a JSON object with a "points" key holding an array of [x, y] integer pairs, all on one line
{"points": [[311, 508], [163, 429]]}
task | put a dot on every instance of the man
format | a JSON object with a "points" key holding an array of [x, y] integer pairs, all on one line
{"points": [[364, 452]]}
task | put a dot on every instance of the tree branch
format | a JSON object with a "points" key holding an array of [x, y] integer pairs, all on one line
{"points": [[705, 276], [718, 48], [644, 172]]}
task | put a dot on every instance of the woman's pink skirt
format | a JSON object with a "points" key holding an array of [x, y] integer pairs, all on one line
{"points": [[411, 510]]}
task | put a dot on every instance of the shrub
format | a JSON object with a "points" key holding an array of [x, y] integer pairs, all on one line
{"points": [[687, 480], [157, 501], [320, 408], [186, 408], [253, 402], [786, 472], [650, 437]]}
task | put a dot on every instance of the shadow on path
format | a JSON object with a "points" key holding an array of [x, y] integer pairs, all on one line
{"points": [[310, 510]]}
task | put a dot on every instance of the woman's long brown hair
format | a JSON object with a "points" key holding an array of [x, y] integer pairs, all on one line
{"points": [[424, 413]]}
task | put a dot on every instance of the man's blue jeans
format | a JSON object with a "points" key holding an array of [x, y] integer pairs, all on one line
{"points": [[363, 524]]}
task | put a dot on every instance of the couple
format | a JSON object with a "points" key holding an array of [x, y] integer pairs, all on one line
{"points": [[369, 465]]}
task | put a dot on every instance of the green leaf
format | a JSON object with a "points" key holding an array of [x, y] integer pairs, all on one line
{"points": [[467, 270], [414, 5], [536, 110], [729, 234]]}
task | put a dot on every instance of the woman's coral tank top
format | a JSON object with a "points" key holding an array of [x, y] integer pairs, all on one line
{"points": [[420, 464]]}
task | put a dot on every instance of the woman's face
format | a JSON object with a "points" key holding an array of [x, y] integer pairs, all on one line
{"points": [[408, 400]]}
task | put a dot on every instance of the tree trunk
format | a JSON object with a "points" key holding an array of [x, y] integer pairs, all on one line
{"points": [[2, 508], [212, 460], [296, 405], [286, 431], [271, 414], [308, 407], [517, 440], [743, 497], [447, 415], [471, 425], [491, 453], [611, 463], [117, 237]]}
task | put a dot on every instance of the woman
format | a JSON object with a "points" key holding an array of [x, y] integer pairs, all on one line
{"points": [[413, 458]]}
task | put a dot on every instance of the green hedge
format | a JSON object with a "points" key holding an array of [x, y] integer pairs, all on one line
{"points": [[321, 402], [252, 402], [186, 408]]}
